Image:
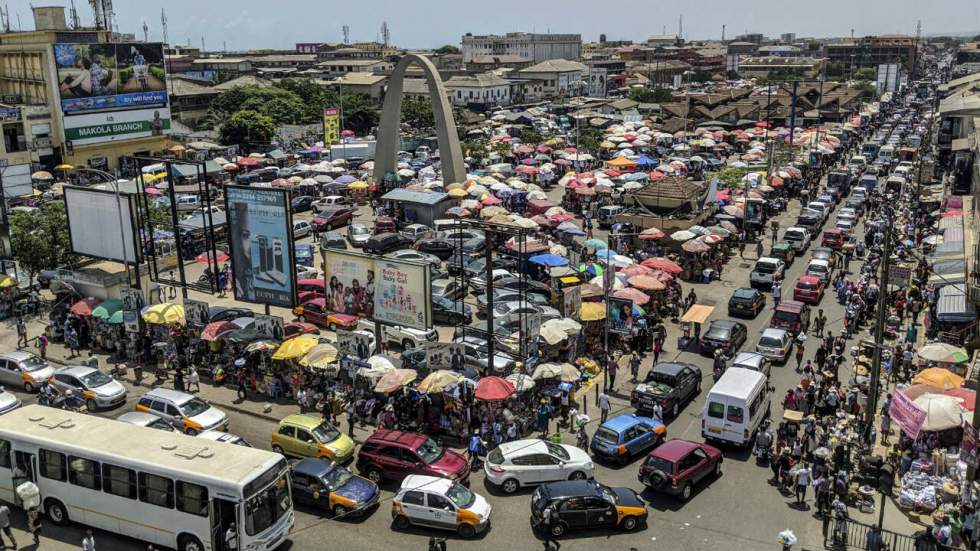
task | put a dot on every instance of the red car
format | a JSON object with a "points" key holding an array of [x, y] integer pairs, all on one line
{"points": [[315, 311], [333, 218], [677, 465], [296, 328], [309, 289], [809, 289], [395, 454]]}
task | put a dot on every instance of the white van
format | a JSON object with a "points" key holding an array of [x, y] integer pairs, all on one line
{"points": [[735, 407], [447, 224]]}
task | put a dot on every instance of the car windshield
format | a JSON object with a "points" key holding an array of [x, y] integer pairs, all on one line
{"points": [[606, 435], [716, 332], [326, 432], [744, 294], [765, 267], [160, 424], [806, 286], [359, 230], [268, 505], [770, 341], [660, 464], [461, 496], [95, 379], [557, 451], [194, 407], [608, 494], [818, 268], [336, 478], [430, 451], [33, 363], [785, 316]]}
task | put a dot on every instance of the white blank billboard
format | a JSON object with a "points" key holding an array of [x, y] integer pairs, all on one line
{"points": [[16, 180], [93, 223]]}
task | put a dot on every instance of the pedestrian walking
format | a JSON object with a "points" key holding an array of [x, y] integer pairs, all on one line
{"points": [[88, 542], [802, 475], [5, 526], [547, 521], [351, 417], [634, 366], [193, 379], [603, 407], [42, 345], [611, 369], [21, 333], [800, 350], [777, 292], [34, 524]]}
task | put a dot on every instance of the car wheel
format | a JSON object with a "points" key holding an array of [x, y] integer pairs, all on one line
{"points": [[687, 491], [718, 469], [466, 531], [577, 475], [91, 405], [406, 344], [401, 522], [558, 529], [56, 511], [630, 523], [510, 486], [279, 450], [374, 475], [301, 318], [339, 510], [29, 388], [190, 432], [189, 543], [332, 326]]}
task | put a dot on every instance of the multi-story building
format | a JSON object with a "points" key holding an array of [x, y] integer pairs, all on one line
{"points": [[764, 66], [536, 47], [482, 90], [559, 77], [340, 67], [80, 96], [872, 51], [755, 38]]}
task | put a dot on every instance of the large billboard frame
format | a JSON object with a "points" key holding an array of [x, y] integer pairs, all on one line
{"points": [[98, 66], [236, 250], [112, 223], [365, 266]]}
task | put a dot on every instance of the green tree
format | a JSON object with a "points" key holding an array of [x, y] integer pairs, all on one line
{"points": [[589, 138], [731, 177], [647, 95], [360, 113], [40, 240], [474, 149], [531, 136], [247, 127], [447, 49], [417, 113], [868, 91], [865, 73]]}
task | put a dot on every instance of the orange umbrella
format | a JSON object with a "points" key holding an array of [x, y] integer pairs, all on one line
{"points": [[646, 282], [664, 264], [85, 306]]}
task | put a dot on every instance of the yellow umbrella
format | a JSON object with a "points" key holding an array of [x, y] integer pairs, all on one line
{"points": [[607, 145], [7, 281], [295, 348], [938, 377], [437, 381], [64, 166], [320, 356], [163, 313], [458, 193], [592, 311], [358, 185], [454, 185]]}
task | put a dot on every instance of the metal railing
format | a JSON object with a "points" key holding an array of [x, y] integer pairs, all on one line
{"points": [[856, 537]]}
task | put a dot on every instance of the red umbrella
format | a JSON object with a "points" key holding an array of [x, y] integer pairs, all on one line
{"points": [[152, 191], [561, 217], [571, 150], [656, 175], [664, 264], [493, 389], [205, 258], [347, 133], [540, 220], [952, 213], [247, 161], [966, 397], [214, 330], [638, 297], [491, 200], [649, 283], [85, 306], [651, 234], [636, 270], [613, 173]]}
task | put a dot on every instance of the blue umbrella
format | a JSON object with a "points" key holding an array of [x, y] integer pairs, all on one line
{"points": [[570, 229], [549, 260], [634, 176], [596, 244], [345, 179]]}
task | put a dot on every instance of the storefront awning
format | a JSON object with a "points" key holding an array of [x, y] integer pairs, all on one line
{"points": [[699, 313], [953, 305]]}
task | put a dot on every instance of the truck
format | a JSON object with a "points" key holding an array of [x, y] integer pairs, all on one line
{"points": [[360, 150]]}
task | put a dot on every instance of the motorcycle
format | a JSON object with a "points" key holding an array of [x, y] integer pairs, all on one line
{"points": [[582, 439]]}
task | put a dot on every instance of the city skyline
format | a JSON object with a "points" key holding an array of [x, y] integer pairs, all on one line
{"points": [[245, 24]]}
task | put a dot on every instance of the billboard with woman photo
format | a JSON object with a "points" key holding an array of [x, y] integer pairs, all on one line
{"points": [[107, 77]]}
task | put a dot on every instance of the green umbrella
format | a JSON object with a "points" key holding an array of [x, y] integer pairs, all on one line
{"points": [[116, 318], [107, 309]]}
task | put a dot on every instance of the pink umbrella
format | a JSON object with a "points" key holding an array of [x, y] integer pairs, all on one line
{"points": [[636, 270], [561, 217], [152, 191], [638, 297], [491, 200]]}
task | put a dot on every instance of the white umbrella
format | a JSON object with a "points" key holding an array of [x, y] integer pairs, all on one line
{"points": [[558, 250], [477, 190], [522, 222], [522, 382], [537, 196], [682, 235], [554, 211], [942, 412]]}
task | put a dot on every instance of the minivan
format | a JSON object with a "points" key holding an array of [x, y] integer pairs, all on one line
{"points": [[735, 407]]}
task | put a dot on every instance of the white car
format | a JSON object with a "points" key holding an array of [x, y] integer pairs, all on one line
{"points": [[820, 206], [306, 272], [24, 369], [846, 213], [775, 344], [148, 420], [819, 268], [226, 437], [8, 402], [531, 462], [301, 228], [439, 503], [96, 388]]}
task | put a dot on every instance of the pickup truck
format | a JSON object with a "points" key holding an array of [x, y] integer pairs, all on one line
{"points": [[406, 337], [669, 384]]}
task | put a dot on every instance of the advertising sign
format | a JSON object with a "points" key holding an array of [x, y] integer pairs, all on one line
{"points": [[132, 300], [110, 77], [899, 275], [16, 180], [196, 312], [354, 344], [968, 446], [571, 301], [331, 125], [270, 327], [620, 314], [403, 295], [93, 223], [106, 127], [261, 241], [441, 355], [350, 282], [906, 414]]}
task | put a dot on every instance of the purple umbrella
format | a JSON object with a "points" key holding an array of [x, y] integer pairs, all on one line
{"points": [[345, 179]]}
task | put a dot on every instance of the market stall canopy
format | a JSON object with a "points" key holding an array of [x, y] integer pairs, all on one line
{"points": [[563, 371], [85, 307], [437, 381], [493, 389], [320, 356], [163, 313], [521, 382], [942, 412], [699, 313], [106, 309], [943, 353], [938, 377], [295, 348], [213, 331], [395, 380]]}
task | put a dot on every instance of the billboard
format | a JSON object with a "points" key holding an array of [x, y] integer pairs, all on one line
{"points": [[260, 239], [16, 180], [196, 312], [93, 223], [888, 79], [620, 315], [270, 327], [331, 125], [121, 125], [571, 301], [110, 77], [390, 291], [442, 355], [350, 343]]}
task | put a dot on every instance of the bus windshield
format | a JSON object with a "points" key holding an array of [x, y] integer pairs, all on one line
{"points": [[264, 508]]}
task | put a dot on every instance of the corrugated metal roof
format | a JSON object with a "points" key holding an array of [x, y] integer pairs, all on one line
{"points": [[420, 197], [953, 306], [953, 235]]}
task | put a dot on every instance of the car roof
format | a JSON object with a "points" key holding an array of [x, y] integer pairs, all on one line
{"points": [[623, 422], [790, 306], [409, 439], [723, 323], [302, 420], [674, 450], [749, 358], [768, 260], [670, 368], [810, 280], [569, 488], [819, 262], [137, 418], [745, 292], [518, 448], [775, 333], [17, 355], [314, 466], [434, 484], [75, 370], [174, 396]]}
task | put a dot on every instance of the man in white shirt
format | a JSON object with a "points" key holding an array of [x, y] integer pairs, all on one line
{"points": [[231, 537], [603, 407]]}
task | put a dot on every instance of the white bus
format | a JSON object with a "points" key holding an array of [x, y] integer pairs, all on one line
{"points": [[162, 487]]}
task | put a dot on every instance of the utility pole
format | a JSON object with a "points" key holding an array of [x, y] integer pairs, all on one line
{"points": [[869, 413]]}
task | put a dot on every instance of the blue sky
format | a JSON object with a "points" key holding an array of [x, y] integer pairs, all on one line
{"points": [[243, 24]]}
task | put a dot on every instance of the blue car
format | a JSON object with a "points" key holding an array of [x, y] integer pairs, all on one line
{"points": [[621, 438], [324, 484], [304, 254]]}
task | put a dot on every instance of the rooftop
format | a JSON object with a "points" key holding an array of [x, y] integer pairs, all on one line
{"points": [[476, 81], [555, 66], [361, 79], [245, 80], [419, 197]]}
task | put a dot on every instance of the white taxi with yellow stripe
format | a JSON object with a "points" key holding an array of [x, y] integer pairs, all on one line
{"points": [[95, 387], [440, 503], [184, 411]]}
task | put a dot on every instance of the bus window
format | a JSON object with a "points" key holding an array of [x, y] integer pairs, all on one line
{"points": [[119, 481], [84, 473], [5, 454], [192, 498], [53, 465], [156, 490]]}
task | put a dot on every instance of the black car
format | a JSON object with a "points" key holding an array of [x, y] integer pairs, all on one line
{"points": [[414, 358], [587, 504], [526, 284], [746, 302], [670, 384], [507, 295], [457, 263], [221, 313], [726, 335], [469, 241], [450, 312], [436, 246], [385, 243], [302, 203]]}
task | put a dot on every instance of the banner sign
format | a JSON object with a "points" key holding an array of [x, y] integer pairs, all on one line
{"points": [[906, 414], [402, 295], [260, 237], [354, 344], [270, 327], [196, 312], [441, 355], [331, 125], [620, 314], [571, 301]]}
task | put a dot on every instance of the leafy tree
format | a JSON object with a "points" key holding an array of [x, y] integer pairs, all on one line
{"points": [[868, 91], [417, 113], [447, 49], [360, 113], [647, 95], [865, 73], [247, 127], [589, 138], [531, 136], [40, 240], [474, 149], [731, 177]]}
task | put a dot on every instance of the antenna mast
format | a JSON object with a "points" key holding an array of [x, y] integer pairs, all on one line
{"points": [[385, 34], [346, 29], [163, 23]]}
